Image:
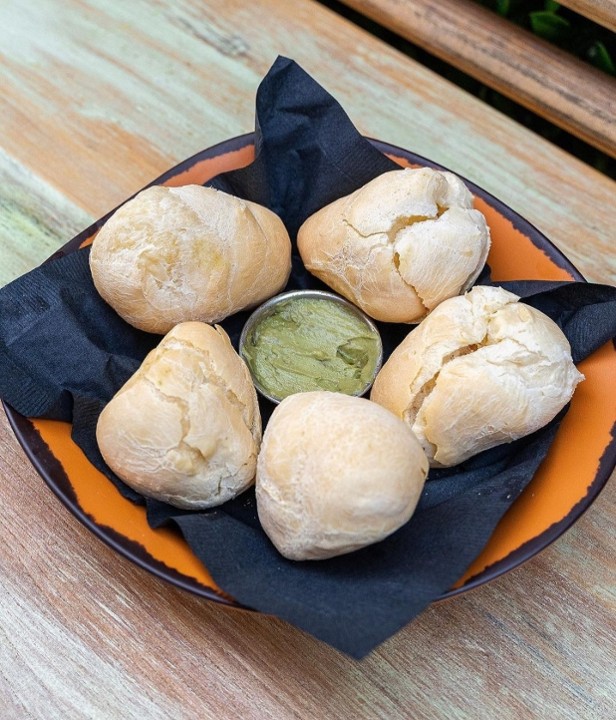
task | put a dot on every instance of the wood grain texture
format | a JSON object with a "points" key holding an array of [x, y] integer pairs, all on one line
{"points": [[35, 219], [162, 90], [599, 11], [550, 82], [98, 98]]}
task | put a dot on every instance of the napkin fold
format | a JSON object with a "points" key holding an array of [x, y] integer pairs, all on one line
{"points": [[64, 353], [307, 151]]}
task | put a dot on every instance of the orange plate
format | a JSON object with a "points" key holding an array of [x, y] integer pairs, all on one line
{"points": [[576, 468]]}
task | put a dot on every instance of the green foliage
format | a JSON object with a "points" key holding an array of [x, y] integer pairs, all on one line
{"points": [[549, 25], [551, 6], [600, 57], [503, 7]]}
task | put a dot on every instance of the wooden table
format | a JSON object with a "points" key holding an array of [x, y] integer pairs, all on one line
{"points": [[99, 97]]}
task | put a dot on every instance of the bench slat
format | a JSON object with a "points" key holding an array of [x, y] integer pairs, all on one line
{"points": [[599, 11], [559, 87]]}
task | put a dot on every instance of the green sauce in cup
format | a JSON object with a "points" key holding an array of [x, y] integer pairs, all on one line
{"points": [[310, 340]]}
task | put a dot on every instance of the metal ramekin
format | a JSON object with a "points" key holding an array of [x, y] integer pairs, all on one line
{"points": [[266, 308]]}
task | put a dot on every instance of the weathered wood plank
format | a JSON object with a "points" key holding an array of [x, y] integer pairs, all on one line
{"points": [[98, 98], [34, 219], [552, 83], [123, 100], [599, 11]]}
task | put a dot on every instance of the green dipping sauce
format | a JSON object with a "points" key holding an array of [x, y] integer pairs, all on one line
{"points": [[308, 343]]}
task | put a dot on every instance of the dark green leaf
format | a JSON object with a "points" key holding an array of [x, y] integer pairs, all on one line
{"points": [[502, 7], [600, 57], [549, 26], [551, 6]]}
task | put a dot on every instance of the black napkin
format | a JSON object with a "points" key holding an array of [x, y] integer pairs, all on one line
{"points": [[308, 153], [64, 353]]}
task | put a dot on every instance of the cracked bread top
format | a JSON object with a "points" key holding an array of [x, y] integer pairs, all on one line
{"points": [[175, 254], [482, 369], [399, 245], [186, 427]]}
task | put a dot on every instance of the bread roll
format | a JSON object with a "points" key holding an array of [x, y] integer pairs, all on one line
{"points": [[482, 369], [186, 428], [335, 473], [173, 254], [399, 245]]}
